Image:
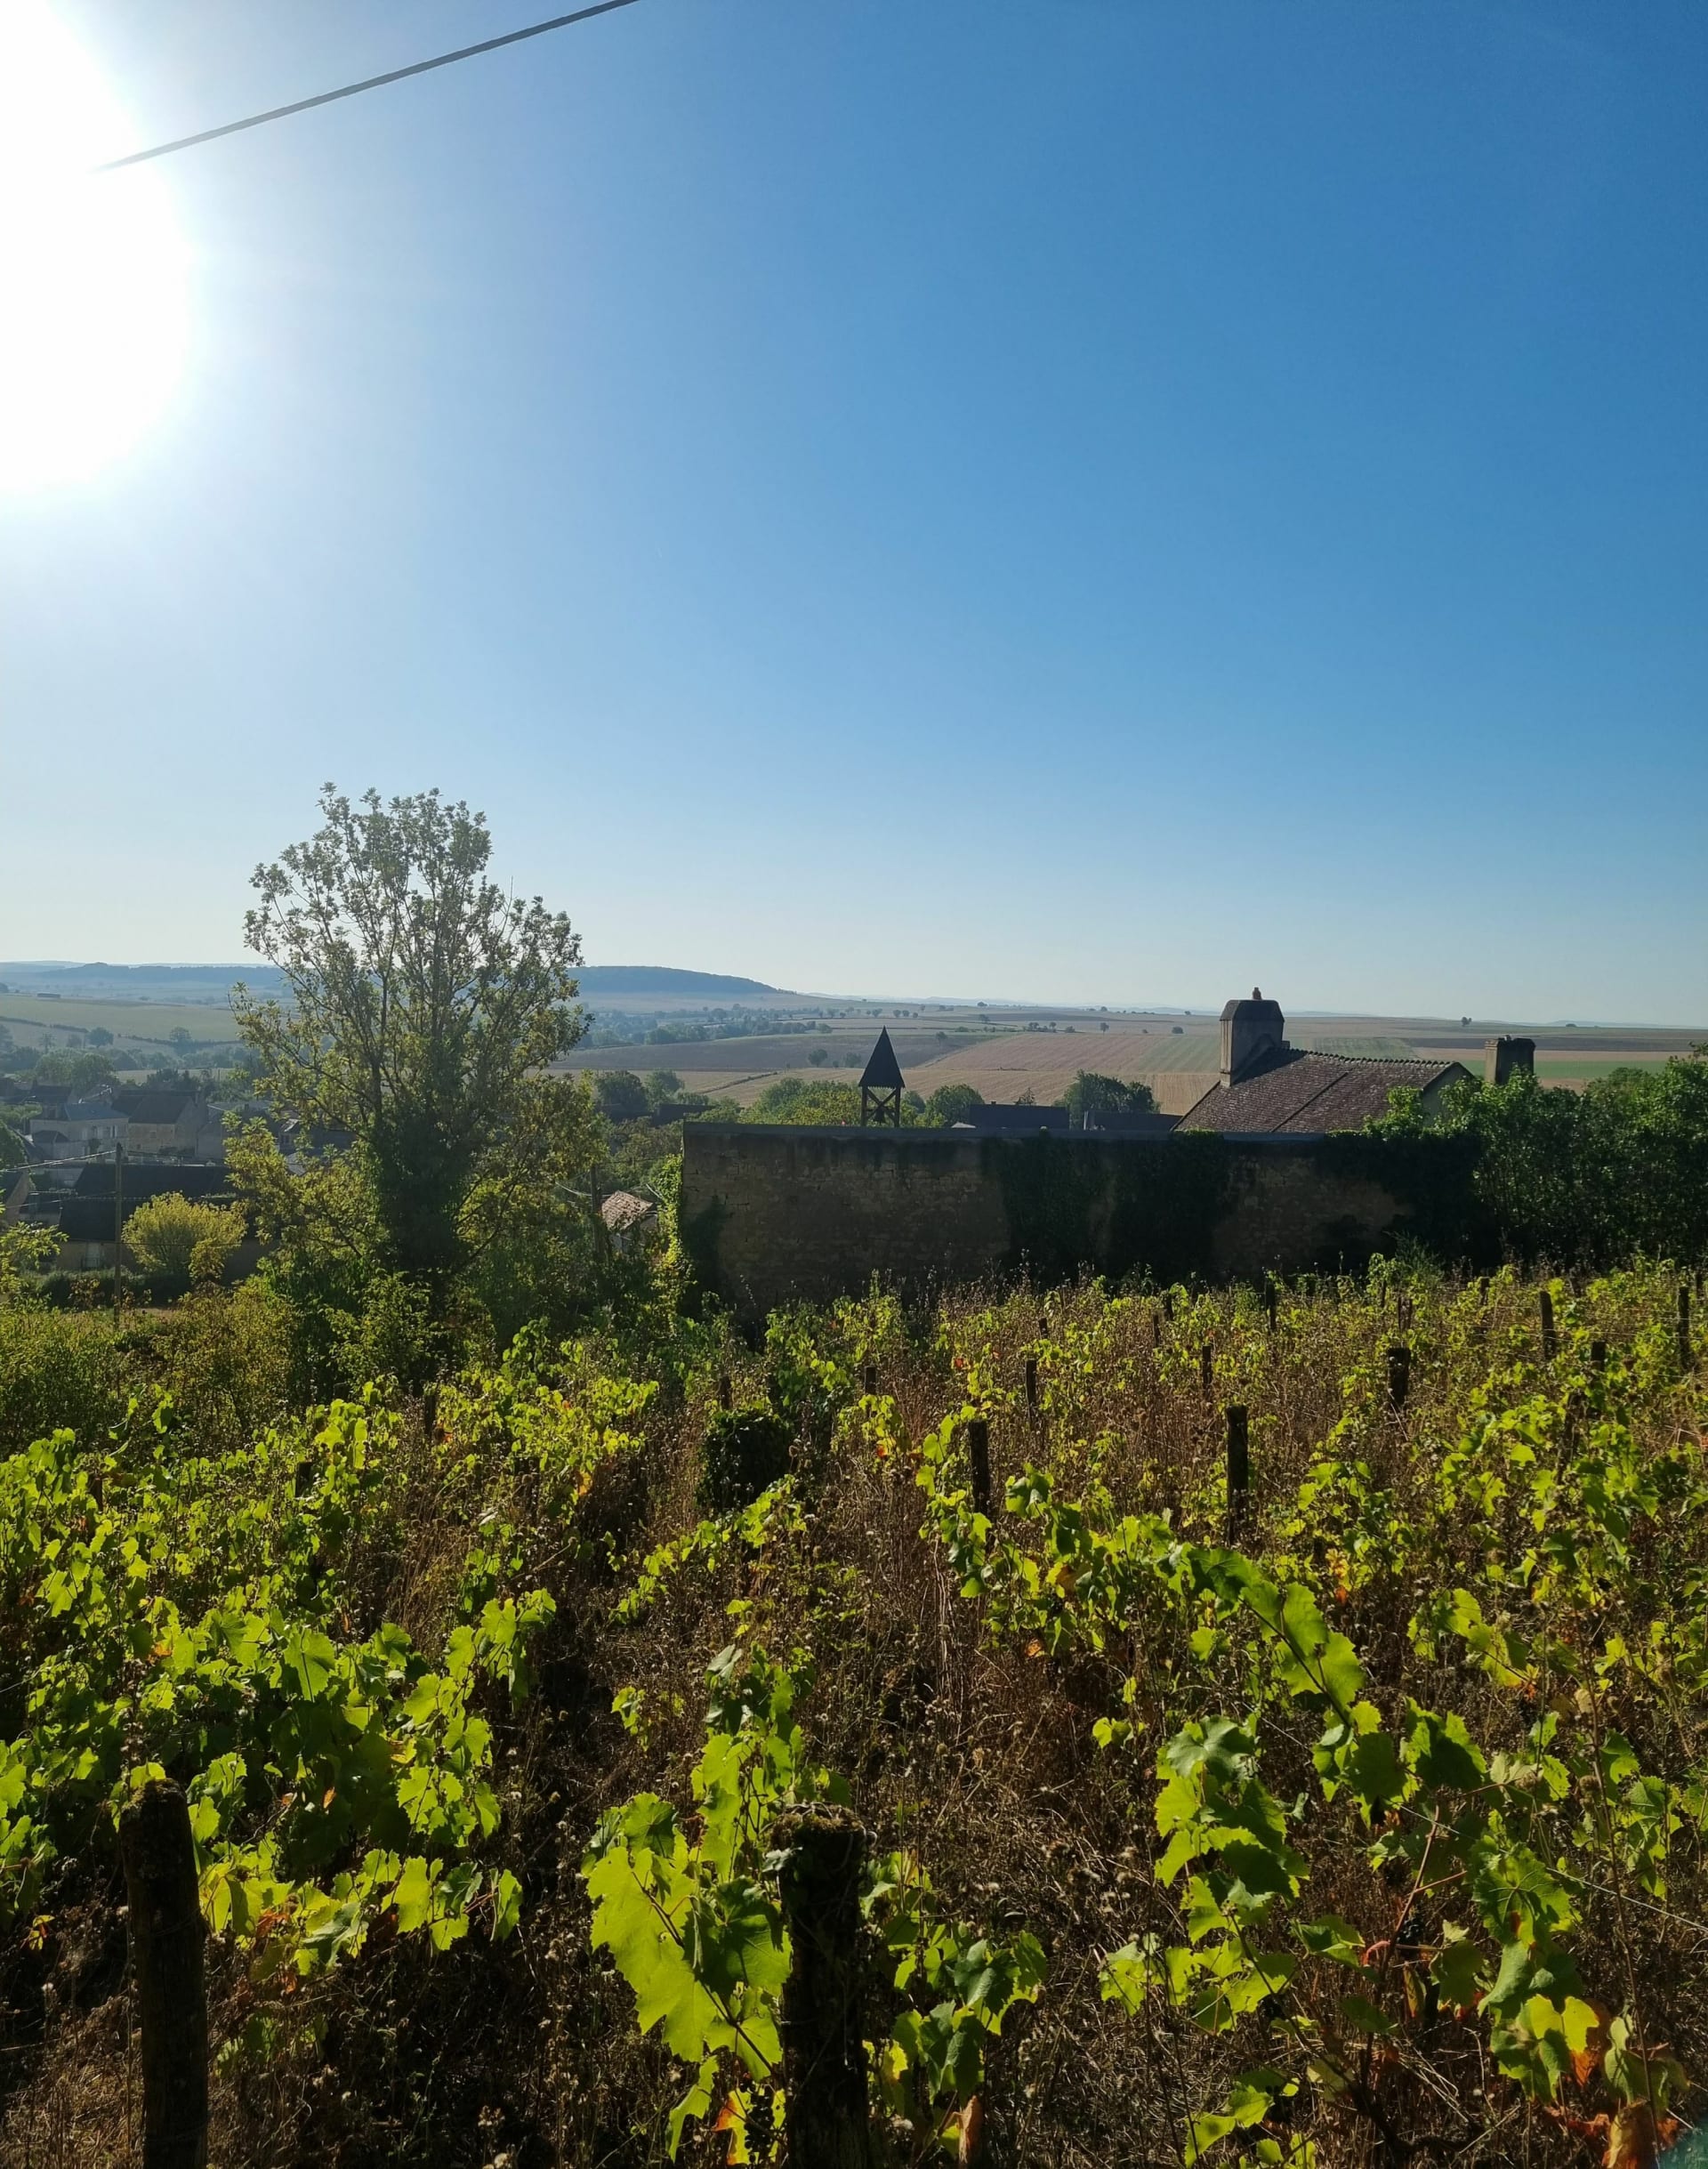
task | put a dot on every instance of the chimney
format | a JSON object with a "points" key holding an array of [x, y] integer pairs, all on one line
{"points": [[1508, 1057], [1253, 1033]]}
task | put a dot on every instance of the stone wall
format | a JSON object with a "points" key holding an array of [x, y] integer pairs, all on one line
{"points": [[769, 1214]]}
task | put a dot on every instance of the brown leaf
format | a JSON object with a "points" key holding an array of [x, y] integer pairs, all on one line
{"points": [[1632, 2142], [973, 2132]]}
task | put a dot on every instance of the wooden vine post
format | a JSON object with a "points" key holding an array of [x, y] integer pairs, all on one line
{"points": [[1684, 1325], [827, 2124], [726, 1391], [166, 1941], [1268, 1302], [1031, 1380], [1400, 1374], [1545, 1305], [869, 1381], [1239, 1468], [978, 1462]]}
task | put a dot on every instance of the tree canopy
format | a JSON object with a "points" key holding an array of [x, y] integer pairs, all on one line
{"points": [[1091, 1094], [422, 1006]]}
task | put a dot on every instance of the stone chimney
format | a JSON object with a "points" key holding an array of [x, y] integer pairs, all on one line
{"points": [[1506, 1058], [1253, 1034]]}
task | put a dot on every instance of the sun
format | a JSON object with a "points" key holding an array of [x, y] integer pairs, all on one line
{"points": [[94, 274]]}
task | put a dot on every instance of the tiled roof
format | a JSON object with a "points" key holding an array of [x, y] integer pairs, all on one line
{"points": [[1308, 1094], [96, 1181], [623, 1210], [155, 1106]]}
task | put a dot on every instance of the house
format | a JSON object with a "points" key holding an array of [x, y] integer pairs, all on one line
{"points": [[169, 1123], [1267, 1087], [80, 1128], [141, 1183], [630, 1220], [1005, 1117]]}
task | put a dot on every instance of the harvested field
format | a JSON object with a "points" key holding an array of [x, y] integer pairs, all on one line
{"points": [[1178, 1068], [848, 1047]]}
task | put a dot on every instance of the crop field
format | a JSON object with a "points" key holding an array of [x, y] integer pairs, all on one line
{"points": [[27, 1016], [846, 1046], [1045, 1063], [1251, 1734]]}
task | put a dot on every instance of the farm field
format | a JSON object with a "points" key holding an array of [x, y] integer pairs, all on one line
{"points": [[148, 1023], [846, 1046], [1045, 1063], [1355, 1806]]}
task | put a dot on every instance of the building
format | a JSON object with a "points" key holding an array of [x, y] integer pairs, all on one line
{"points": [[173, 1122], [630, 1220], [79, 1130], [1267, 1088]]}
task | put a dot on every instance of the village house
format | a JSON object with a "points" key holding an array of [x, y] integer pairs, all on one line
{"points": [[80, 1129], [174, 1122], [1267, 1087]]}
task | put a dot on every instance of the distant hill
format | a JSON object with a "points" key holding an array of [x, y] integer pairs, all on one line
{"points": [[210, 982], [659, 979], [195, 983]]}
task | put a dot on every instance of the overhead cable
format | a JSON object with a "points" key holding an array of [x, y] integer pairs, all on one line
{"points": [[354, 89]]}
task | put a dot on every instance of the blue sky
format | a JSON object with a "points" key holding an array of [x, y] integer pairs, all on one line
{"points": [[1095, 499]]}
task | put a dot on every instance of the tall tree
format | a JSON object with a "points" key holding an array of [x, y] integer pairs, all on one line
{"points": [[422, 1006]]}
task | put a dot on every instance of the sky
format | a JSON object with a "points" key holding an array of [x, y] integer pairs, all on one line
{"points": [[1092, 500]]}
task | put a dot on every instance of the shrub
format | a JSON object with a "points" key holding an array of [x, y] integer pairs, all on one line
{"points": [[182, 1241], [746, 1450], [58, 1369], [952, 1103]]}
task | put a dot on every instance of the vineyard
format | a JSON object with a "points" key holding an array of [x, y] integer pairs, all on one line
{"points": [[1253, 1726]]}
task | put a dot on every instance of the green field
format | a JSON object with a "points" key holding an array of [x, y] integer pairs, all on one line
{"points": [[151, 1023]]}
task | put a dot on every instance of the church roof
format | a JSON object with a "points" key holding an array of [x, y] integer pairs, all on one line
{"points": [[882, 1073]]}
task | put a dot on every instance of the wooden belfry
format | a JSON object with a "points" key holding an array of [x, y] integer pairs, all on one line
{"points": [[881, 1087]]}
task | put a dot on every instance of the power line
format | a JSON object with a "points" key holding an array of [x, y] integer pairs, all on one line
{"points": [[352, 90]]}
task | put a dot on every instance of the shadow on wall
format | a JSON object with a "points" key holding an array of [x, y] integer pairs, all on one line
{"points": [[774, 1214]]}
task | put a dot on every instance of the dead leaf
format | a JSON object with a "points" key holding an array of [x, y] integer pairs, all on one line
{"points": [[973, 2132], [1632, 2142]]}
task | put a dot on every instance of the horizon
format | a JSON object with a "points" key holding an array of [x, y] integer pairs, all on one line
{"points": [[1204, 1011], [1004, 496]]}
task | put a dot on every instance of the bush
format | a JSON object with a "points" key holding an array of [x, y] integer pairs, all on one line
{"points": [[746, 1450], [178, 1241], [59, 1369], [952, 1103], [806, 1100]]}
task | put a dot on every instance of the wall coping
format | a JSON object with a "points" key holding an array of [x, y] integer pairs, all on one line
{"points": [[1281, 1142]]}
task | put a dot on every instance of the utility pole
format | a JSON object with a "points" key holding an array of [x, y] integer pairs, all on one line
{"points": [[118, 1227]]}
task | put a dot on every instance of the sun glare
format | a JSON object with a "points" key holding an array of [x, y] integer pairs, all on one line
{"points": [[94, 274]]}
